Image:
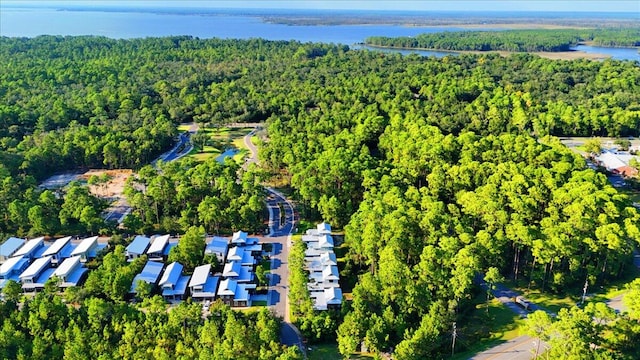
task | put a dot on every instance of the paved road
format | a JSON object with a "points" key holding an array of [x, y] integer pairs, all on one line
{"points": [[520, 348], [281, 226], [119, 209]]}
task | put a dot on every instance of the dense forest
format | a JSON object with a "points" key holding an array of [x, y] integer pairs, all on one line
{"points": [[48, 327], [512, 40], [435, 168], [181, 194]]}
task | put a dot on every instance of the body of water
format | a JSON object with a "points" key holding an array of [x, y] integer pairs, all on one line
{"points": [[231, 24]]}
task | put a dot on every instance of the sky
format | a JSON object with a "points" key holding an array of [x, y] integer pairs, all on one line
{"points": [[418, 5]]}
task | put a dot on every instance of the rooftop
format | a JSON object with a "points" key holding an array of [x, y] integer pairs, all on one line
{"points": [[10, 246], [171, 274], [67, 266], [57, 246], [179, 288], [208, 289], [200, 275], [149, 274], [36, 267], [139, 245], [16, 262], [29, 246], [232, 269], [158, 244], [84, 245], [217, 245], [236, 253], [239, 237], [227, 287]]}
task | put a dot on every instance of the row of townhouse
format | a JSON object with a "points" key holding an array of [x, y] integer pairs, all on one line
{"points": [[33, 262], [234, 285], [322, 265]]}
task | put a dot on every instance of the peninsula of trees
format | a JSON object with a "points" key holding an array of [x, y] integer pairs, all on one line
{"points": [[512, 40]]}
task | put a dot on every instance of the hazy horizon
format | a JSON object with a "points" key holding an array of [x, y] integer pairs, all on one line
{"points": [[618, 6]]}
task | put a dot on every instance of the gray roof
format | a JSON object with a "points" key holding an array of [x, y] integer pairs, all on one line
{"points": [[200, 275], [30, 246], [57, 246], [138, 245], [10, 246]]}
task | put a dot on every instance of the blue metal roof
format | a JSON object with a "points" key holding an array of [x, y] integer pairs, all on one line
{"points": [[139, 245], [10, 246]]}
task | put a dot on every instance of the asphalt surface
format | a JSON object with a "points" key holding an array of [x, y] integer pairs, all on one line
{"points": [[521, 348], [281, 226]]}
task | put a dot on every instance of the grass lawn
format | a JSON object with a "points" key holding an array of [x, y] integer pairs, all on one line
{"points": [[330, 352], [219, 140], [183, 127], [481, 331]]}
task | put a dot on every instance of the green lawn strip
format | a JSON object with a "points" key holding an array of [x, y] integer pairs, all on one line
{"points": [[480, 331], [255, 140], [549, 301], [330, 352], [184, 127]]}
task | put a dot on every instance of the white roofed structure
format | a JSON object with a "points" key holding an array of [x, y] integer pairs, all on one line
{"points": [[35, 269], [59, 250], [86, 249], [30, 247], [70, 271], [137, 247], [157, 247], [239, 237]]}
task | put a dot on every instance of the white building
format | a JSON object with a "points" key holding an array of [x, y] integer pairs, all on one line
{"points": [[59, 250]]}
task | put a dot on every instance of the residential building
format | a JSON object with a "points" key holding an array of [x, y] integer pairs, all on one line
{"points": [[173, 284], [202, 285], [219, 247], [59, 250], [12, 268], [239, 238], [9, 247], [87, 248], [138, 247], [30, 248], [156, 251], [70, 272], [149, 274], [34, 277]]}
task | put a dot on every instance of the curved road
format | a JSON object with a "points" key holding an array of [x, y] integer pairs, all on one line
{"points": [[280, 228], [120, 209]]}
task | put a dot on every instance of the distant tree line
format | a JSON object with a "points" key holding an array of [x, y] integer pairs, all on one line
{"points": [[512, 40]]}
